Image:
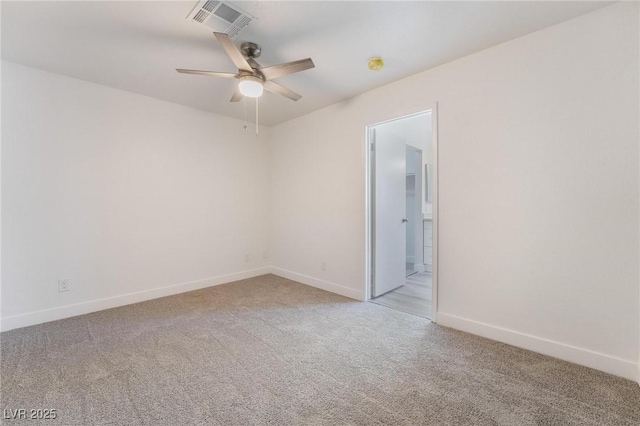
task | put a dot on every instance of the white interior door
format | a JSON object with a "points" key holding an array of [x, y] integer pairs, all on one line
{"points": [[390, 251]]}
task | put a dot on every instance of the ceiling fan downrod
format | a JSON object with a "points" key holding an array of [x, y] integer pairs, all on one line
{"points": [[250, 50]]}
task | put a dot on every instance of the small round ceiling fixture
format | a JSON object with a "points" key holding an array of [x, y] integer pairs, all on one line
{"points": [[375, 64], [250, 86]]}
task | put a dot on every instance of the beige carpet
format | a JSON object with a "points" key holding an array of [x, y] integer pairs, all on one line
{"points": [[271, 351]]}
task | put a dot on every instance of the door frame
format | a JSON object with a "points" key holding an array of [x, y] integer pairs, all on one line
{"points": [[370, 203]]}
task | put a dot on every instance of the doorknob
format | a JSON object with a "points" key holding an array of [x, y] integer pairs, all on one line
{"points": [[404, 221]]}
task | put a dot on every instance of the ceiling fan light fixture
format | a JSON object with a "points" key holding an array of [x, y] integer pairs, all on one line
{"points": [[250, 86]]}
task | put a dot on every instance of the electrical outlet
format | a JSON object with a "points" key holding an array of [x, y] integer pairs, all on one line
{"points": [[247, 258], [63, 285], [323, 266]]}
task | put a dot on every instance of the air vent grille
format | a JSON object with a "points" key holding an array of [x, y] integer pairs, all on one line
{"points": [[201, 16], [210, 5], [243, 21], [226, 13], [220, 16], [240, 24]]}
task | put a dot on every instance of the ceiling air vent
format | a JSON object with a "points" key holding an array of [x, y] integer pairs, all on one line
{"points": [[220, 16]]}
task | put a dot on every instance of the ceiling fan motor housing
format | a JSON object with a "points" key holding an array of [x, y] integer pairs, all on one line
{"points": [[250, 50]]}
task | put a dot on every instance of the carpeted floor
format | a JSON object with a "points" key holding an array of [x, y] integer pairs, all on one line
{"points": [[271, 351]]}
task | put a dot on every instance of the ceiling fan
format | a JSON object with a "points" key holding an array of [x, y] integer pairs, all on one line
{"points": [[253, 77]]}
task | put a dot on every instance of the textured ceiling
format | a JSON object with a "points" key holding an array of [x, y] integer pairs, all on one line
{"points": [[136, 46]]}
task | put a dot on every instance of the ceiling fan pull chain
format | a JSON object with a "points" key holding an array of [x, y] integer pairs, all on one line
{"points": [[244, 104], [257, 116]]}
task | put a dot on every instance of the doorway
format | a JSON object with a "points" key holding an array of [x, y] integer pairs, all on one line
{"points": [[400, 215]]}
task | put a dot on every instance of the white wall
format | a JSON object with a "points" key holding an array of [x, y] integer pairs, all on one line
{"points": [[120, 194], [638, 15], [538, 158]]}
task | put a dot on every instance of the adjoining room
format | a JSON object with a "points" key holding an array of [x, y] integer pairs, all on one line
{"points": [[401, 165]]}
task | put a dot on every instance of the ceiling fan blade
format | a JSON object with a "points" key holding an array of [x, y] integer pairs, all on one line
{"points": [[209, 73], [233, 52], [276, 71], [237, 96], [278, 89]]}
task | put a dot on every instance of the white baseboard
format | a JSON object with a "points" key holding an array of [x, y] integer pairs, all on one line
{"points": [[315, 282], [53, 314], [608, 364]]}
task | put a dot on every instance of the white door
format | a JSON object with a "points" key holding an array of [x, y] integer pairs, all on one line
{"points": [[390, 250]]}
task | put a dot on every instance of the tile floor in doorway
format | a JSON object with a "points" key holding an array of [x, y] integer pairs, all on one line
{"points": [[413, 297]]}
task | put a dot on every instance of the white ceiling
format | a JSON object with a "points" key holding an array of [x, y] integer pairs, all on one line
{"points": [[136, 46]]}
